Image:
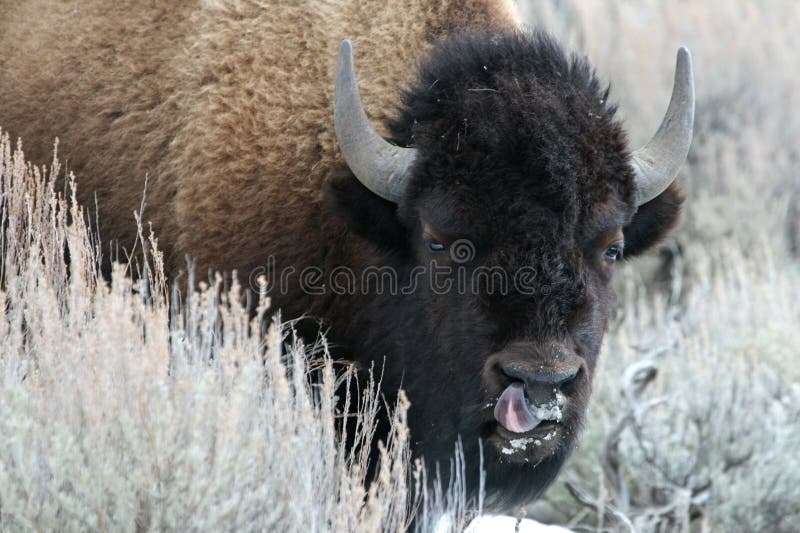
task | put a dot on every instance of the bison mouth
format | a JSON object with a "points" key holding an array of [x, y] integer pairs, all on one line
{"points": [[528, 421]]}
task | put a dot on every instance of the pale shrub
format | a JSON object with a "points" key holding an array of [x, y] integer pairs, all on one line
{"points": [[694, 423], [119, 411], [743, 173], [695, 420]]}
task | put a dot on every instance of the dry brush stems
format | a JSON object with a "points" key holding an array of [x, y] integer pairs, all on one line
{"points": [[130, 405]]}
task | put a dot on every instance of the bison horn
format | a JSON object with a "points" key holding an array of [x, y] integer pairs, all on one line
{"points": [[381, 166], [657, 163]]}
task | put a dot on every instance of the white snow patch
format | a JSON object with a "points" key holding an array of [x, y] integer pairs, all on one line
{"points": [[444, 524], [550, 410], [522, 444], [509, 524]]}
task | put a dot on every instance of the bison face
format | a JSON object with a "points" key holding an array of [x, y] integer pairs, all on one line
{"points": [[518, 198]]}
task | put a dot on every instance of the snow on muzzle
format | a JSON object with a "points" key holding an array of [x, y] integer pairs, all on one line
{"points": [[520, 413]]}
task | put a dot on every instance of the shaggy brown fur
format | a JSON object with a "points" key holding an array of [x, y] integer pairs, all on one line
{"points": [[226, 106]]}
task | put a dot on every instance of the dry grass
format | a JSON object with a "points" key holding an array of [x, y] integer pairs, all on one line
{"points": [[744, 163], [127, 407], [694, 421]]}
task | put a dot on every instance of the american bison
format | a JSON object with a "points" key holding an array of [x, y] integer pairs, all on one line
{"points": [[467, 246]]}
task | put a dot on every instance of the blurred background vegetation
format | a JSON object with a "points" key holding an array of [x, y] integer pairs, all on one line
{"points": [[694, 424]]}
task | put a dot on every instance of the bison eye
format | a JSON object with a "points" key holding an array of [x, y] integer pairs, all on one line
{"points": [[613, 253], [435, 246], [435, 241]]}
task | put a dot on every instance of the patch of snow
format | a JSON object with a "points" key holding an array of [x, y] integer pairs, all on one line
{"points": [[550, 410], [444, 524], [509, 524], [521, 444]]}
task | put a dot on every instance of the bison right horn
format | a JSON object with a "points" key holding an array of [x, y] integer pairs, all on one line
{"points": [[657, 163], [381, 166]]}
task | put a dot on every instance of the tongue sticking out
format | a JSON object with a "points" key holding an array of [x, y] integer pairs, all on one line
{"points": [[512, 410]]}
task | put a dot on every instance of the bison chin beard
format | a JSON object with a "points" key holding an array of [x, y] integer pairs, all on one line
{"points": [[512, 481], [514, 475]]}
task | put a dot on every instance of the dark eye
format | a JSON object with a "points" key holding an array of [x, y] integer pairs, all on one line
{"points": [[613, 253], [435, 246]]}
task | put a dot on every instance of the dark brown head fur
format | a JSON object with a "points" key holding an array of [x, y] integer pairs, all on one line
{"points": [[522, 176], [521, 164]]}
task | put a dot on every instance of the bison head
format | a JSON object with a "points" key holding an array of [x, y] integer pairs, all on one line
{"points": [[503, 200]]}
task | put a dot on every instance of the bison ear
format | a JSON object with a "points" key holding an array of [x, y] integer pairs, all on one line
{"points": [[653, 221], [365, 213]]}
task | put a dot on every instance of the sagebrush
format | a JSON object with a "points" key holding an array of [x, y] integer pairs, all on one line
{"points": [[694, 420], [135, 406]]}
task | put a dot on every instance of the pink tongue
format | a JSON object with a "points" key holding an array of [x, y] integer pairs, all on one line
{"points": [[512, 410]]}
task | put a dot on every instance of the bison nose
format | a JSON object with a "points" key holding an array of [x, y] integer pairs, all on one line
{"points": [[532, 383], [539, 374], [540, 368]]}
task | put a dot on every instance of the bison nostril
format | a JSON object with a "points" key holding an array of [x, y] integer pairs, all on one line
{"points": [[533, 374]]}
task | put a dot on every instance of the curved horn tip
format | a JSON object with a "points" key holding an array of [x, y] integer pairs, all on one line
{"points": [[657, 163], [345, 60], [370, 157], [683, 65], [346, 47], [684, 82]]}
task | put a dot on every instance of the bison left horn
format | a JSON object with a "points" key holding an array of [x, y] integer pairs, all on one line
{"points": [[381, 166], [657, 163]]}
